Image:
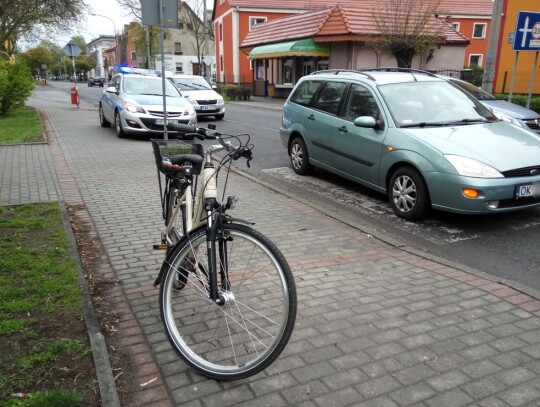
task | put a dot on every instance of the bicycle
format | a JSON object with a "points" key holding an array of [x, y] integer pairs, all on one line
{"points": [[227, 295]]}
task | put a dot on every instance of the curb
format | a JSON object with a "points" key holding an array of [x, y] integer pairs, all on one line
{"points": [[107, 387]]}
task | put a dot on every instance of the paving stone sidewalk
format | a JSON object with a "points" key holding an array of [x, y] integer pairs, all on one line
{"points": [[376, 326]]}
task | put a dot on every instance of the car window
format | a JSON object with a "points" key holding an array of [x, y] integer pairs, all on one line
{"points": [[140, 85], [360, 103], [429, 102], [115, 82], [194, 83], [329, 97], [305, 91]]}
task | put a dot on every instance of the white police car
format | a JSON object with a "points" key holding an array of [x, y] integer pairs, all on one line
{"points": [[133, 102]]}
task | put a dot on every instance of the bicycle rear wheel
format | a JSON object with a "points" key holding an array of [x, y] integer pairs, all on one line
{"points": [[247, 333]]}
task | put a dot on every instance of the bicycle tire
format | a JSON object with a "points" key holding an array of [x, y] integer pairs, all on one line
{"points": [[244, 336]]}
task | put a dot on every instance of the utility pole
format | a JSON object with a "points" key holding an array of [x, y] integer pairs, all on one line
{"points": [[206, 49], [493, 43]]}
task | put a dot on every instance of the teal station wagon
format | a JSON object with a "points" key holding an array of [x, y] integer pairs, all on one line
{"points": [[414, 137]]}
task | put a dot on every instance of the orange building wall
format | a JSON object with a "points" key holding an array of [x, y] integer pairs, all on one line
{"points": [[506, 55]]}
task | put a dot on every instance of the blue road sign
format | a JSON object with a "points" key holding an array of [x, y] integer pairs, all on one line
{"points": [[527, 36]]}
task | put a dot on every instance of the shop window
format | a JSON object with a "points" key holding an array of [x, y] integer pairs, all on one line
{"points": [[259, 69], [287, 72]]}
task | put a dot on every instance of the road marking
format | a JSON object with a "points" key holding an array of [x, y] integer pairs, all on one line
{"points": [[432, 230]]}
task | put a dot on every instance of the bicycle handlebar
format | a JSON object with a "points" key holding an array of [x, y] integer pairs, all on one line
{"points": [[188, 133]]}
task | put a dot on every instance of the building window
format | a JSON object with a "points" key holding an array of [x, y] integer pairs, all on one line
{"points": [[133, 55], [221, 63], [179, 67], [177, 48], [221, 32], [455, 26], [479, 30], [256, 20], [287, 72], [475, 60]]}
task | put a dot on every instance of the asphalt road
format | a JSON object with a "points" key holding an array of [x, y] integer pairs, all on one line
{"points": [[506, 246]]}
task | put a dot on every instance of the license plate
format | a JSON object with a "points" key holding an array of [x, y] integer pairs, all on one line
{"points": [[207, 107], [527, 191], [160, 121]]}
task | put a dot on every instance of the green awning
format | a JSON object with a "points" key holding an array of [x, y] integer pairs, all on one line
{"points": [[306, 48]]}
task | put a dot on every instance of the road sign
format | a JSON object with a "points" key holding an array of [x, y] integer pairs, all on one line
{"points": [[150, 13], [72, 50], [527, 37]]}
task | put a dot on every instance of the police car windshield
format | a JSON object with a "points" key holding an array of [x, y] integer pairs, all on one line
{"points": [[141, 85]]}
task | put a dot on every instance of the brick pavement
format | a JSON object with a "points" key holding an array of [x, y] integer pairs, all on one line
{"points": [[376, 326]]}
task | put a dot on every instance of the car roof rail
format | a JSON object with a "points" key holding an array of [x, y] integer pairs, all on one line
{"points": [[342, 72], [396, 69]]}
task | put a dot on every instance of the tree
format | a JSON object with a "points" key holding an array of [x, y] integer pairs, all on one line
{"points": [[36, 57], [30, 18], [16, 84], [406, 27]]}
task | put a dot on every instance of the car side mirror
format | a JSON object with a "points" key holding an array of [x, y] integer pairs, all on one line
{"points": [[365, 121], [111, 89]]}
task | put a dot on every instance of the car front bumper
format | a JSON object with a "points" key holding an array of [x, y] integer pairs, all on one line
{"points": [[495, 194], [147, 123]]}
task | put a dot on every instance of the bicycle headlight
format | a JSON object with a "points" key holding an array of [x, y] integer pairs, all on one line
{"points": [[133, 108], [469, 167]]}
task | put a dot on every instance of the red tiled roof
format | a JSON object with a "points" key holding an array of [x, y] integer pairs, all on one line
{"points": [[466, 8], [450, 7], [340, 22], [304, 25]]}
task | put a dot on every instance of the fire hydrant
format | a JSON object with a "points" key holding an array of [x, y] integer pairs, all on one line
{"points": [[75, 97]]}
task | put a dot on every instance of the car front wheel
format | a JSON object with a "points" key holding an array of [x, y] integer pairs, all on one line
{"points": [[299, 157], [408, 194], [118, 125], [102, 120]]}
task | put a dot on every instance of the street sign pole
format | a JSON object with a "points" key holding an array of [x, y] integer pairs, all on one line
{"points": [[513, 77], [531, 85]]}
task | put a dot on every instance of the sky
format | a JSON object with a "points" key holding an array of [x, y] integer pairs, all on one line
{"points": [[94, 26]]}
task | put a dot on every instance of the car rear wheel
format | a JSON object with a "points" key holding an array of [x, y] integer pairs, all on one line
{"points": [[102, 120], [299, 157], [408, 194], [118, 125]]}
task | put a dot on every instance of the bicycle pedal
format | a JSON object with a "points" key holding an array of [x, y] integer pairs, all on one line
{"points": [[161, 247]]}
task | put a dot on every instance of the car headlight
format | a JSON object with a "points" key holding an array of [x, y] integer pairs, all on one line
{"points": [[508, 119], [191, 100], [190, 110], [132, 108], [469, 167]]}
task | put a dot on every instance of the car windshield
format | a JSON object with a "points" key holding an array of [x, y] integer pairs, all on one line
{"points": [[432, 103], [194, 83], [140, 85]]}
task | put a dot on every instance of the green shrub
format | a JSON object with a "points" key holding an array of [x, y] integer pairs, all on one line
{"points": [[16, 84]]}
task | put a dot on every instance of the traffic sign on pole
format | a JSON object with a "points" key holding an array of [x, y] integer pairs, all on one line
{"points": [[527, 36]]}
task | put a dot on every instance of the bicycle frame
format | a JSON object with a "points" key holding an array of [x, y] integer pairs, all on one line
{"points": [[197, 213]]}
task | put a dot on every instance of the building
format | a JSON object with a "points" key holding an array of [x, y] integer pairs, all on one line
{"points": [[340, 27], [472, 19], [507, 57], [95, 49]]}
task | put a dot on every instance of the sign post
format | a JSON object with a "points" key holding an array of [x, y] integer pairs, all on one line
{"points": [[527, 38]]}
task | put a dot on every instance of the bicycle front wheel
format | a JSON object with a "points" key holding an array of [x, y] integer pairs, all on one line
{"points": [[247, 333]]}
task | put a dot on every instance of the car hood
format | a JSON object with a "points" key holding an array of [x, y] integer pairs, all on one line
{"points": [[151, 102], [511, 109], [201, 94], [501, 145]]}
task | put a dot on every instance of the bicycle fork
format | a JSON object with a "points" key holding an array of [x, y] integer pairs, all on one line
{"points": [[216, 238]]}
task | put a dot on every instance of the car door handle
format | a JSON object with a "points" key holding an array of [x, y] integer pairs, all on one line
{"points": [[343, 129], [311, 117]]}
